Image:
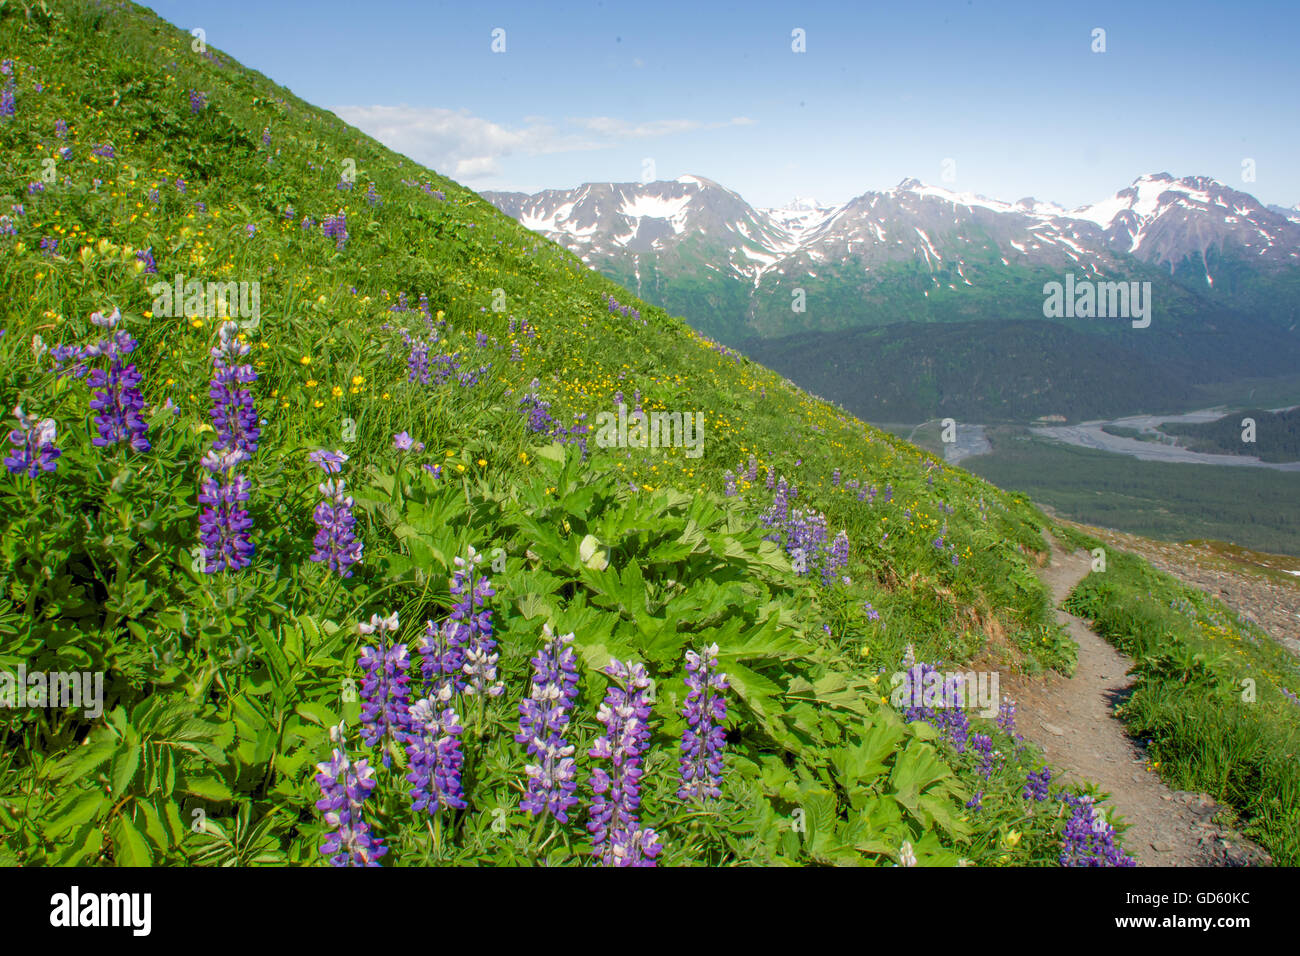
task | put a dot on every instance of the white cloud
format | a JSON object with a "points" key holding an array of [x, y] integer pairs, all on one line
{"points": [[470, 147]]}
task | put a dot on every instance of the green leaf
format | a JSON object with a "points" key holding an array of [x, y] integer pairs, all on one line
{"points": [[206, 786], [124, 768], [129, 846]]}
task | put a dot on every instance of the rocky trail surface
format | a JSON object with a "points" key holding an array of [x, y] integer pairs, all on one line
{"points": [[1073, 721]]}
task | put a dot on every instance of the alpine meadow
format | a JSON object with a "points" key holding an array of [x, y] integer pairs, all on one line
{"points": [[350, 520]]}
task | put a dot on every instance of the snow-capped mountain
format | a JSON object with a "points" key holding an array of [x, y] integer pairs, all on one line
{"points": [[912, 240], [599, 221], [1158, 220], [801, 216]]}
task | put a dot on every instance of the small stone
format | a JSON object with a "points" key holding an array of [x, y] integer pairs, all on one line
{"points": [[1052, 729]]}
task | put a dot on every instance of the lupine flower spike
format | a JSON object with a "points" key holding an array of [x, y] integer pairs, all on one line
{"points": [[33, 445], [704, 739], [617, 839], [345, 785], [336, 544], [385, 696], [543, 720]]}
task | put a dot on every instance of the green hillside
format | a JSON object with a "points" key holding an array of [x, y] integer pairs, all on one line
{"points": [[461, 364]]}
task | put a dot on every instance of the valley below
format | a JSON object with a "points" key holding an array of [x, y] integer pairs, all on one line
{"points": [[1093, 435], [1147, 488]]}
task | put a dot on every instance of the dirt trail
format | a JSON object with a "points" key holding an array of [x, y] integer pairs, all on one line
{"points": [[1072, 720]]}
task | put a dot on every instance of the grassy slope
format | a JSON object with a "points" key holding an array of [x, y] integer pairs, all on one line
{"points": [[219, 688]]}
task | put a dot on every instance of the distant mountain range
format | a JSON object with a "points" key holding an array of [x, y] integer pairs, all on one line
{"points": [[1224, 269]]}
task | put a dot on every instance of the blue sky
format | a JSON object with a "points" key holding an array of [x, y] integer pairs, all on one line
{"points": [[1011, 92]]}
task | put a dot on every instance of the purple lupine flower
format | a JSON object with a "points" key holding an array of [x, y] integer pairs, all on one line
{"points": [[7, 105], [639, 849], [947, 713], [778, 514], [838, 558], [1006, 719], [34, 187], [471, 624], [433, 749], [74, 354], [251, 229], [705, 737], [385, 696], [729, 488], [442, 660], [105, 151], [198, 100], [60, 129], [180, 185], [266, 136], [976, 802], [337, 546], [872, 613], [543, 719], [539, 412], [153, 196], [234, 417], [417, 362], [1088, 838], [224, 524], [345, 785], [982, 744], [752, 474], [7, 227], [616, 800], [33, 445], [330, 461], [117, 399], [146, 256], [336, 228], [835, 478], [1036, 785], [372, 196]]}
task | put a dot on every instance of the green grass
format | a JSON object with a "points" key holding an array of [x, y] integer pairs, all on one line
{"points": [[220, 689]]}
